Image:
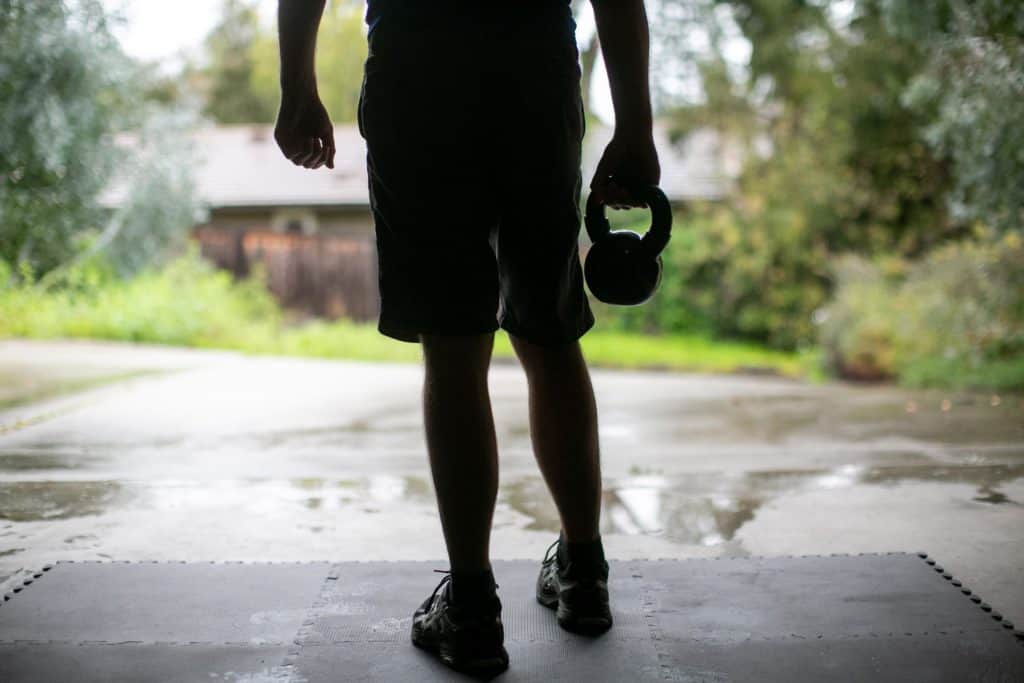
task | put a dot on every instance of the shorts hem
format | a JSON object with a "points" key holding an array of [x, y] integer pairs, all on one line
{"points": [[549, 340], [411, 333]]}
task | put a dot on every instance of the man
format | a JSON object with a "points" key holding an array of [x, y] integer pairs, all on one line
{"points": [[473, 119]]}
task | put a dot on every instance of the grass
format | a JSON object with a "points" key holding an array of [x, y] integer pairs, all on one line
{"points": [[188, 303], [1004, 375], [604, 349]]}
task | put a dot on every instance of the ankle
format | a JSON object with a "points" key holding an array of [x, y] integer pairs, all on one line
{"points": [[571, 538], [582, 555], [474, 586]]}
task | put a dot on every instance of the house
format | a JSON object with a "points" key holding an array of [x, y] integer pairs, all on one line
{"points": [[311, 233]]}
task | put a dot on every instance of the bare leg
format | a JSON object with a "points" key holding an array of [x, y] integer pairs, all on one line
{"points": [[563, 428], [461, 444]]}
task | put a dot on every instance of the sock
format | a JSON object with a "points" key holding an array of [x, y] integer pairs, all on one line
{"points": [[582, 555], [469, 588]]}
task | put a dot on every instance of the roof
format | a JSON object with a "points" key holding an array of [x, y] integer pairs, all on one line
{"points": [[240, 166], [695, 168]]}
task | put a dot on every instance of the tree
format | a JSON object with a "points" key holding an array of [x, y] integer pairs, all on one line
{"points": [[242, 74], [974, 80], [341, 52], [229, 93], [160, 204], [67, 91], [61, 98], [835, 159]]}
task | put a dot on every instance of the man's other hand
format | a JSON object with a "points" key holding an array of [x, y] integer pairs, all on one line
{"points": [[627, 160], [304, 131]]}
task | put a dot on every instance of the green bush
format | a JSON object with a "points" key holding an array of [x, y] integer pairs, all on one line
{"points": [[189, 303], [955, 318], [731, 277]]}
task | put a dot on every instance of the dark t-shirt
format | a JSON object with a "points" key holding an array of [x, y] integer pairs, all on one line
{"points": [[442, 9]]}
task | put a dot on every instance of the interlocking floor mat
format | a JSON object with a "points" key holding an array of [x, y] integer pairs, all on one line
{"points": [[871, 617]]}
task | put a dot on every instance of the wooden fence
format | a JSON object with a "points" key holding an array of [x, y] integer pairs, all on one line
{"points": [[333, 276]]}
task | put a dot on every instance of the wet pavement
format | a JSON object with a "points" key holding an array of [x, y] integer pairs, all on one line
{"points": [[112, 451]]}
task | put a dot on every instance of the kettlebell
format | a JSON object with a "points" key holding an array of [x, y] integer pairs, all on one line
{"points": [[623, 267]]}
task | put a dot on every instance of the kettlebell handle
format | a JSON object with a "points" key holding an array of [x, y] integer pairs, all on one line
{"points": [[656, 238]]}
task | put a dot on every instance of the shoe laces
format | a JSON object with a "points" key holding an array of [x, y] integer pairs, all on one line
{"points": [[447, 578], [547, 553], [549, 558]]}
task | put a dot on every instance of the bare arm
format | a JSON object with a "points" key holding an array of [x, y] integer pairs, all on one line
{"points": [[304, 131], [630, 157]]}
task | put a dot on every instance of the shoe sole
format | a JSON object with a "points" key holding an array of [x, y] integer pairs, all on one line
{"points": [[584, 626], [476, 666]]}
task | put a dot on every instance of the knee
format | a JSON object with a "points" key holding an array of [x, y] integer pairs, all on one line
{"points": [[462, 354], [546, 360]]}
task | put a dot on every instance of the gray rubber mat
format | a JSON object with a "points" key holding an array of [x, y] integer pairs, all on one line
{"points": [[888, 617]]}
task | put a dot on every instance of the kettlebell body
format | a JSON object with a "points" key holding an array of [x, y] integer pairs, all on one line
{"points": [[623, 267]]}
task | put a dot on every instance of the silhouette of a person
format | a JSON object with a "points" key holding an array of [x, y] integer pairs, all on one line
{"points": [[473, 120]]}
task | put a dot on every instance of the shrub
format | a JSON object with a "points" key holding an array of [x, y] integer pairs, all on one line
{"points": [[955, 318], [188, 302], [733, 277]]}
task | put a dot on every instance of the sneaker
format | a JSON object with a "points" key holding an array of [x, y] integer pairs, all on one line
{"points": [[579, 593], [467, 640]]}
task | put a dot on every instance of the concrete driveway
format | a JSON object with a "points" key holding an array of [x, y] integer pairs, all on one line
{"points": [[111, 451]]}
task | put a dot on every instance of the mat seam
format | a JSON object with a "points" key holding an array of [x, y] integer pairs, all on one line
{"points": [[664, 659], [1007, 626], [304, 631]]}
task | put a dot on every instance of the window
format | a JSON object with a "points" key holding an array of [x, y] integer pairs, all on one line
{"points": [[294, 221]]}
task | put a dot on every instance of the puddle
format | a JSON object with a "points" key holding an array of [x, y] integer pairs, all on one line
{"points": [[709, 508], [27, 462], [33, 501]]}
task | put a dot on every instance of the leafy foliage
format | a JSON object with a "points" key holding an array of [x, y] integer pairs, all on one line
{"points": [[954, 317], [229, 93], [242, 76], [67, 93], [160, 202], [974, 80], [188, 302], [61, 98], [835, 161]]}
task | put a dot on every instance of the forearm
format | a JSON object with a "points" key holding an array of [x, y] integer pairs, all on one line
{"points": [[625, 43], [297, 24]]}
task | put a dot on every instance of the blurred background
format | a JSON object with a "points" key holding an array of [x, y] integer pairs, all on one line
{"points": [[847, 177], [834, 360]]}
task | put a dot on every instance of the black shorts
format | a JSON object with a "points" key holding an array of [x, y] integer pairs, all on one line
{"points": [[474, 128]]}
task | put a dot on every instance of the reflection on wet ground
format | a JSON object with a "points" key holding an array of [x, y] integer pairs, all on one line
{"points": [[252, 458], [705, 509], [31, 501], [709, 508], [27, 462]]}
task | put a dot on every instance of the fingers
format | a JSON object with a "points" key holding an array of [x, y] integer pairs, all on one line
{"points": [[613, 195], [302, 150], [326, 155], [329, 147], [315, 159], [313, 152], [314, 148]]}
